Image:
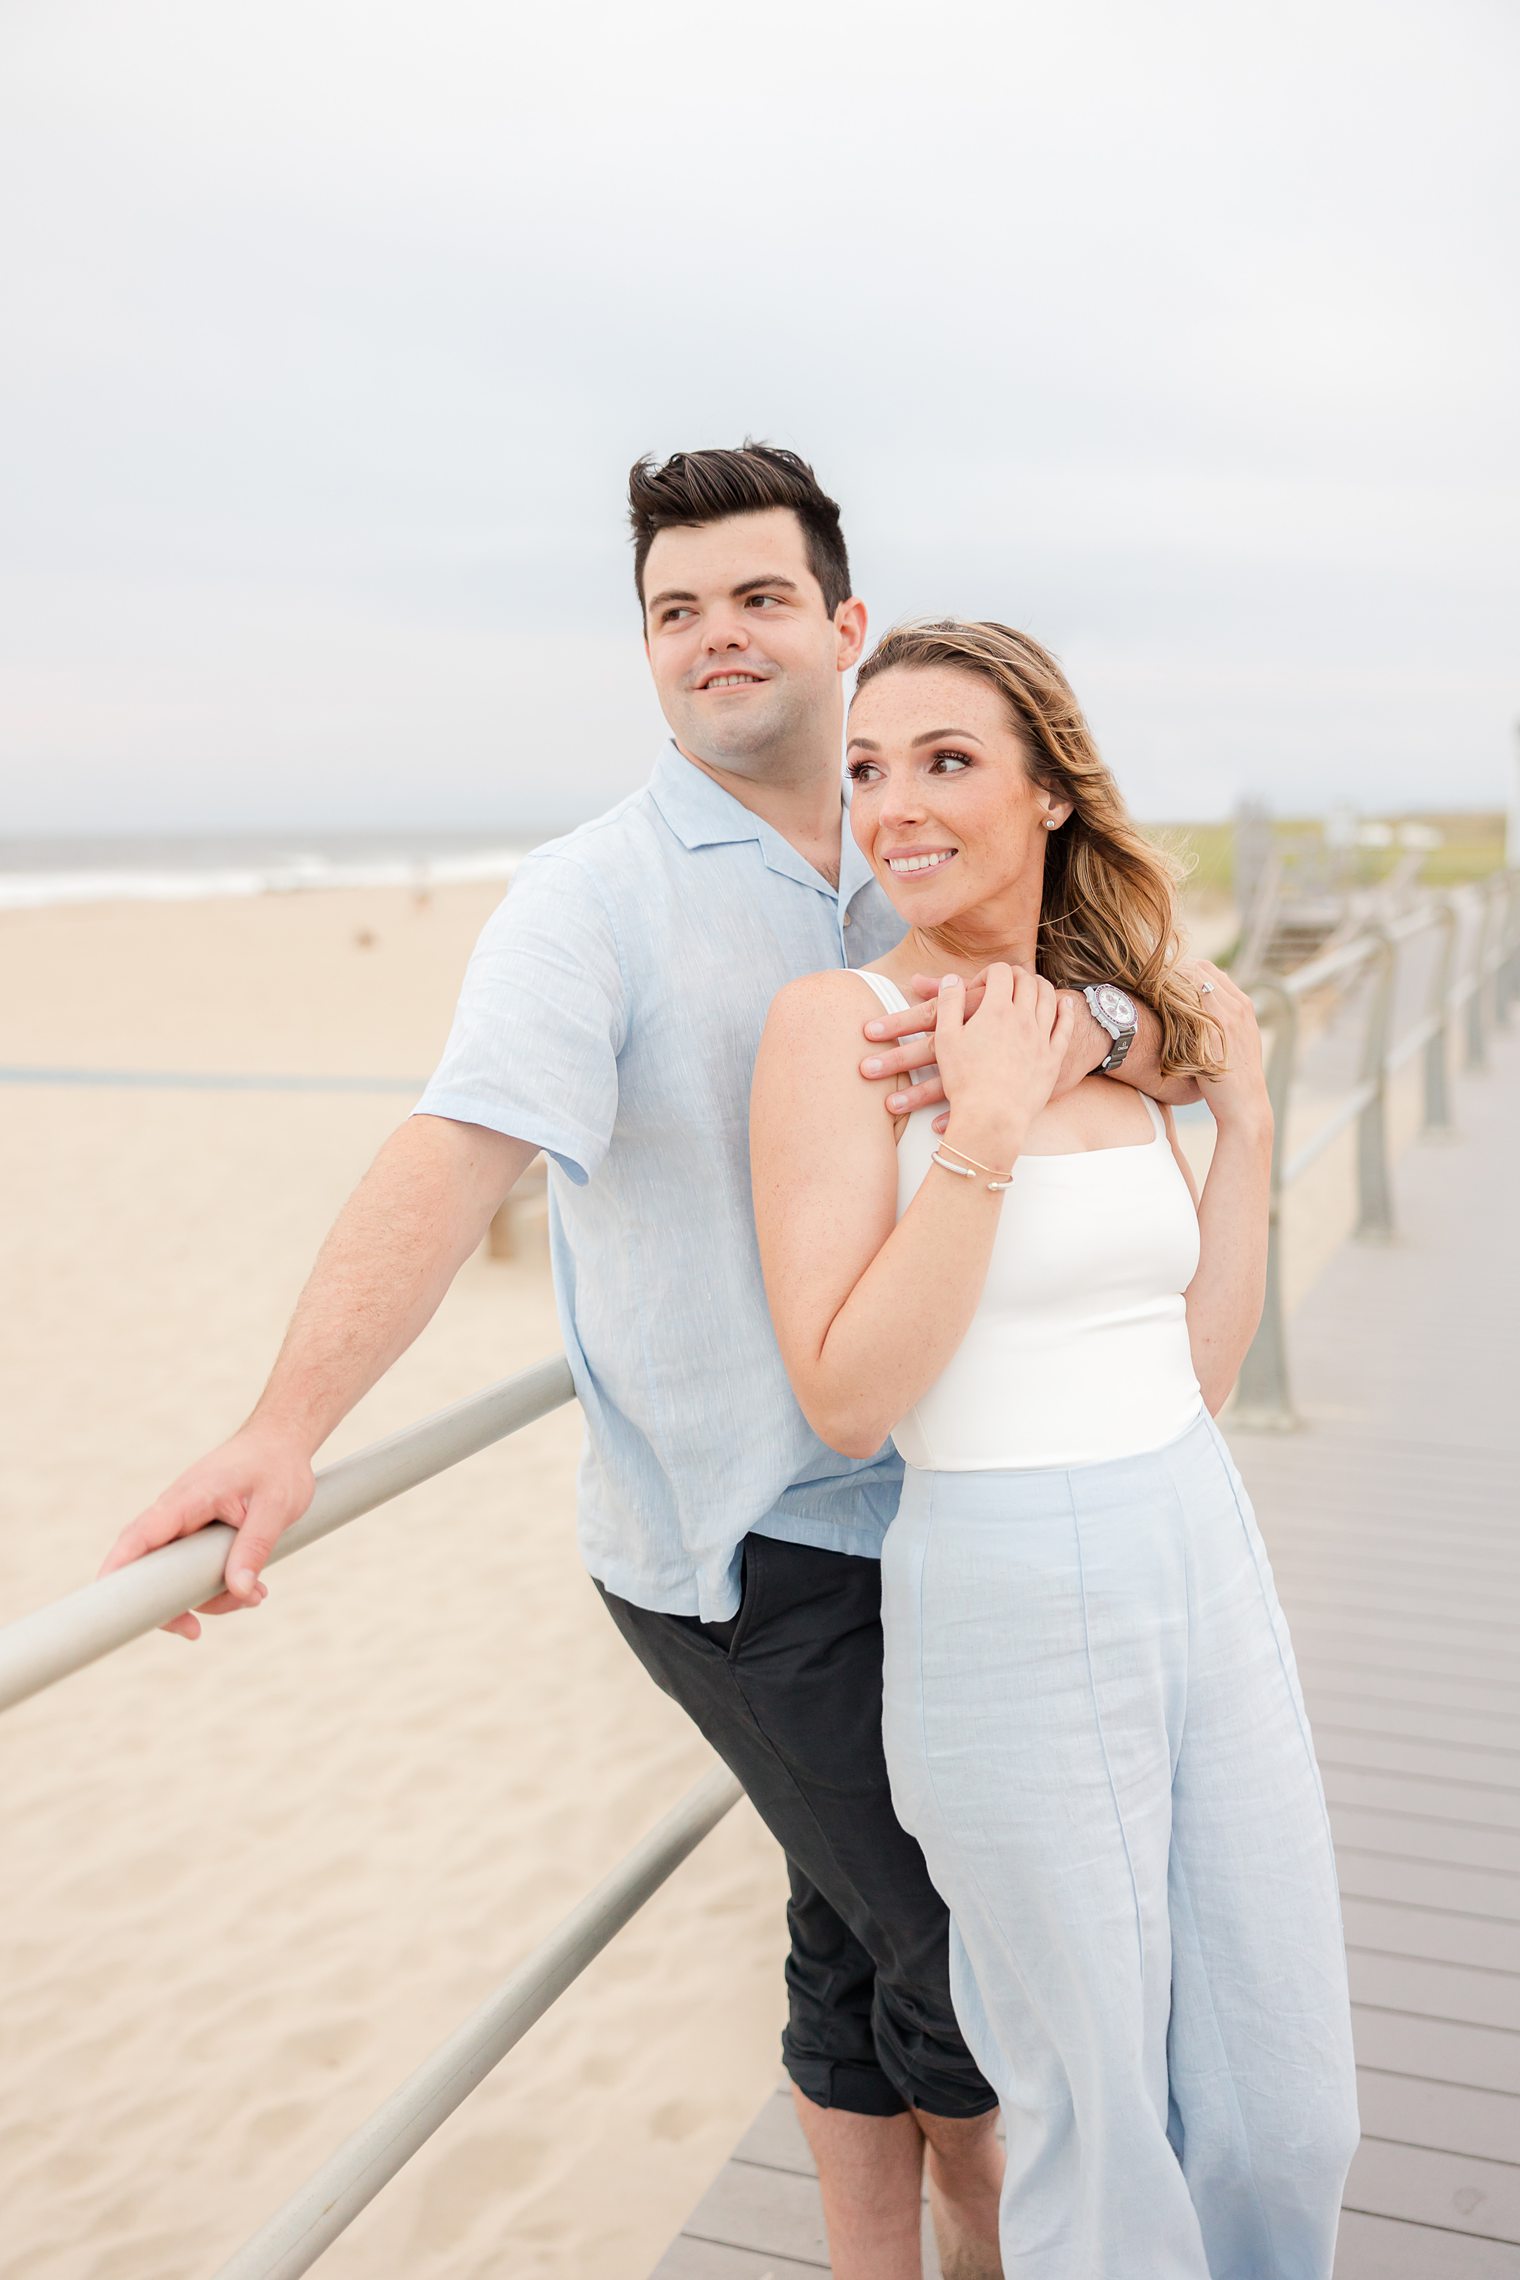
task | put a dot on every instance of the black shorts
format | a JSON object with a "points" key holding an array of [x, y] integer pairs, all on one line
{"points": [[789, 1695]]}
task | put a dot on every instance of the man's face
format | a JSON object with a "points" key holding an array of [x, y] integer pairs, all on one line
{"points": [[745, 656]]}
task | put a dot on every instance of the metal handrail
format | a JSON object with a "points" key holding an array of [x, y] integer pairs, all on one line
{"points": [[1486, 987], [77, 1630], [311, 2220], [39, 1649]]}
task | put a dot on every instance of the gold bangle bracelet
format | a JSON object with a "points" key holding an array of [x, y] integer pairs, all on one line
{"points": [[989, 1169], [965, 1172]]}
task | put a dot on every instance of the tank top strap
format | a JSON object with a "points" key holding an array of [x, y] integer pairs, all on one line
{"points": [[892, 999], [1156, 1116]]}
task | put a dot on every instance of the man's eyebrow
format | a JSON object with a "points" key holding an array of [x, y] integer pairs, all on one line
{"points": [[747, 586]]}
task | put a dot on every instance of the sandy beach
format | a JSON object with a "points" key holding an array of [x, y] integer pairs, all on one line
{"points": [[255, 1880], [252, 1882]]}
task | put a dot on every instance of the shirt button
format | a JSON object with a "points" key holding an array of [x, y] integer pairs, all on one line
{"points": [[845, 920]]}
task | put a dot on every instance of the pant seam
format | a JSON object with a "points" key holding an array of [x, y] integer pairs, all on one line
{"points": [[1248, 2163], [1189, 1598]]}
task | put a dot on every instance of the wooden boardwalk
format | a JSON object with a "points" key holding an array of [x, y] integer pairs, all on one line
{"points": [[1393, 1521]]}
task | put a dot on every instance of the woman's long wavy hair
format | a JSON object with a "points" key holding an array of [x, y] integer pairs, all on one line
{"points": [[1109, 907]]}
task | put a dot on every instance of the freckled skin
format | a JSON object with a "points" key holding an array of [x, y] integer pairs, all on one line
{"points": [[971, 790]]}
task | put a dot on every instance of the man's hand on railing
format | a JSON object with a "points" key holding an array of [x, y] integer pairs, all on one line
{"points": [[260, 1482]]}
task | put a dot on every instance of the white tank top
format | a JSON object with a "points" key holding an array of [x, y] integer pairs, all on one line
{"points": [[1078, 1350]]}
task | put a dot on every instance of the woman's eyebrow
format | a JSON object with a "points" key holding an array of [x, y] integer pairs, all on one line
{"points": [[935, 736]]}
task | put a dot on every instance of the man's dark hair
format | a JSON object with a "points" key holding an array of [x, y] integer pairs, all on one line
{"points": [[709, 486]]}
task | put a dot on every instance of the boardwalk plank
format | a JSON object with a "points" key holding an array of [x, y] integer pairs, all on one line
{"points": [[1493, 1814], [1440, 2115], [1458, 1765], [1455, 2191], [1374, 2247], [774, 2139], [1443, 1692], [1402, 2042], [1437, 1990], [1374, 1875], [690, 2259], [1366, 1642], [1482, 1732], [1430, 1935], [1369, 1612], [1421, 1837], [773, 2210]]}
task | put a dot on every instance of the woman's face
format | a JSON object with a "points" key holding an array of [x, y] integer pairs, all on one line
{"points": [[944, 806]]}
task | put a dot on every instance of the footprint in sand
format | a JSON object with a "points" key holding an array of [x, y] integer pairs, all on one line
{"points": [[274, 2126], [677, 2120], [469, 2176], [333, 2043]]}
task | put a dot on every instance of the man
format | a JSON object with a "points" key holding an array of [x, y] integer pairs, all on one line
{"points": [[610, 1017]]}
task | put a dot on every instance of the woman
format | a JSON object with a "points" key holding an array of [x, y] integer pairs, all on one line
{"points": [[1093, 1723]]}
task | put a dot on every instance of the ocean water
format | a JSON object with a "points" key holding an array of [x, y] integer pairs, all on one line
{"points": [[35, 873]]}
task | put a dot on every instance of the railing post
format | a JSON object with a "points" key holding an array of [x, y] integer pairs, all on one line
{"points": [[1504, 894], [1476, 1056], [1437, 1117], [1374, 1187], [1262, 1399]]}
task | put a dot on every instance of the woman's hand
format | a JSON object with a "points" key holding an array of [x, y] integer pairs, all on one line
{"points": [[1239, 1097], [999, 1064]]}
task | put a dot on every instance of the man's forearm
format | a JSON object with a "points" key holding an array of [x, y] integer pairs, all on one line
{"points": [[1141, 1066], [415, 1217]]}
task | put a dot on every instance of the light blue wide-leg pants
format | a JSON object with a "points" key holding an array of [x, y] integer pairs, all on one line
{"points": [[1094, 1728]]}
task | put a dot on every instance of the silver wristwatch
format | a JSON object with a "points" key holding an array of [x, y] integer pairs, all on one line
{"points": [[1114, 1010]]}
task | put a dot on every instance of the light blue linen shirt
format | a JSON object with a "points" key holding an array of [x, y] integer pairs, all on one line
{"points": [[611, 1014]]}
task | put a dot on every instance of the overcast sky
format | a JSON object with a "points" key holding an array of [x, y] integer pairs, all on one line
{"points": [[1183, 335]]}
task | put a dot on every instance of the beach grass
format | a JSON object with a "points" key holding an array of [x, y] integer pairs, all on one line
{"points": [[1470, 846]]}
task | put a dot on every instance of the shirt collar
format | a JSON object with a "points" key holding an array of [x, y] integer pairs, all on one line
{"points": [[702, 814], [699, 812]]}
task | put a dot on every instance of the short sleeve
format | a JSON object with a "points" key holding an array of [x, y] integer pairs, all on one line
{"points": [[540, 1020]]}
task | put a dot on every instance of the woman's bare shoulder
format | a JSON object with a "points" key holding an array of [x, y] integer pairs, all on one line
{"points": [[823, 1004]]}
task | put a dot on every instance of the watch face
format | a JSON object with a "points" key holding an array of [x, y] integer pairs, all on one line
{"points": [[1114, 1002]]}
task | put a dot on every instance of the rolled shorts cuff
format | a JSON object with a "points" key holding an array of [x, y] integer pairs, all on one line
{"points": [[858, 2089], [839, 2082]]}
